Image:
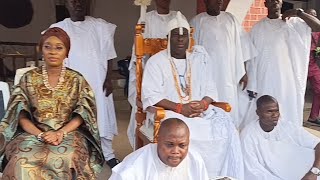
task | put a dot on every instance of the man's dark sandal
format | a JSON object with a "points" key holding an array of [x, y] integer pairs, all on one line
{"points": [[316, 121]]}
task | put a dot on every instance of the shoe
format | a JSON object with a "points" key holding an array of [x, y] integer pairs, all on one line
{"points": [[113, 162], [316, 121]]}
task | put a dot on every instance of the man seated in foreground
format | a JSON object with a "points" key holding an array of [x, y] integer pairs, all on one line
{"points": [[274, 149], [171, 158], [179, 81]]}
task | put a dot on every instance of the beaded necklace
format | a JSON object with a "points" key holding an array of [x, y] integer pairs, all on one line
{"points": [[46, 78], [187, 90], [182, 77]]}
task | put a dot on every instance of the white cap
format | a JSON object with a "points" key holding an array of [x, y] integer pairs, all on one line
{"points": [[178, 22]]}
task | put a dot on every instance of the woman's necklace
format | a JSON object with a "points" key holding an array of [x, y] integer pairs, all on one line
{"points": [[179, 87], [46, 78]]}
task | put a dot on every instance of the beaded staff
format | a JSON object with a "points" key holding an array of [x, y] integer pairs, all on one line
{"points": [[143, 9]]}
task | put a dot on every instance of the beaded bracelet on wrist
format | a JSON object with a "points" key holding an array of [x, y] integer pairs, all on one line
{"points": [[65, 134]]}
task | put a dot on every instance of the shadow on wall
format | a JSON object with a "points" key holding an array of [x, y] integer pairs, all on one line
{"points": [[15, 13], [286, 6]]}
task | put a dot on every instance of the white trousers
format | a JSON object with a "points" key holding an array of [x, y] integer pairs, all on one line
{"points": [[106, 145]]}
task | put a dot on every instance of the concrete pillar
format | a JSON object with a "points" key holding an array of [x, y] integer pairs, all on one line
{"points": [[239, 8]]}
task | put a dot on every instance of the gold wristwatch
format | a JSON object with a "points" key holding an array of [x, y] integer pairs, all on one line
{"points": [[65, 134]]}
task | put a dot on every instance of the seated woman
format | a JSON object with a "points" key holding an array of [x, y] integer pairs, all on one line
{"points": [[49, 130]]}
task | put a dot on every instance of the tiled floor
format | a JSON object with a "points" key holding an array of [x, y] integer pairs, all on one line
{"points": [[120, 143]]}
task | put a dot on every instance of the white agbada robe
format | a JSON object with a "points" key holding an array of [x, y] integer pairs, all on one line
{"points": [[213, 135], [155, 27], [281, 67], [285, 153], [145, 164], [229, 46], [92, 45]]}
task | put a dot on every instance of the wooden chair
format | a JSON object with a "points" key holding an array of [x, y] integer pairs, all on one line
{"points": [[149, 47]]}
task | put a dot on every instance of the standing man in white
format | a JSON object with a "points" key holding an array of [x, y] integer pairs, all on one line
{"points": [[229, 47], [92, 50], [281, 67]]}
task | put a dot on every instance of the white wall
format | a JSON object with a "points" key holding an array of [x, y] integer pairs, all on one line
{"points": [[187, 7], [125, 15], [44, 16]]}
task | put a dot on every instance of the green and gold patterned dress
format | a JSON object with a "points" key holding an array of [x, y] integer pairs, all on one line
{"points": [[23, 157]]}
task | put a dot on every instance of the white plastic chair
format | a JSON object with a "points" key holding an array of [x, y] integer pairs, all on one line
{"points": [[4, 87], [20, 73]]}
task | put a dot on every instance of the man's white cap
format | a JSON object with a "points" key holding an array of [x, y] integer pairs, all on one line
{"points": [[178, 22]]}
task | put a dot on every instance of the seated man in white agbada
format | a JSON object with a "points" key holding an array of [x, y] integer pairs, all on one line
{"points": [[180, 82], [171, 158], [274, 149], [156, 23]]}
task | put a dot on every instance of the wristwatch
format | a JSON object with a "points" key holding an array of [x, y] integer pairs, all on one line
{"points": [[299, 11], [39, 137], [65, 134], [315, 171]]}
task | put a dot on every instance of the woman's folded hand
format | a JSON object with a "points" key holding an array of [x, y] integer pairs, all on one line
{"points": [[53, 137]]}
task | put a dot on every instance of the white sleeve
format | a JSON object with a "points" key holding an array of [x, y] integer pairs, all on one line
{"points": [[211, 86], [211, 90], [152, 84], [253, 168], [132, 89], [305, 139], [234, 159], [251, 67], [197, 165], [249, 51], [303, 30], [108, 32], [300, 26], [202, 170]]}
